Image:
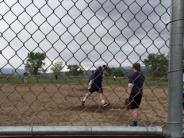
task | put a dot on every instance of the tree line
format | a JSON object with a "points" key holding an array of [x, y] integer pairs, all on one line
{"points": [[155, 64]]}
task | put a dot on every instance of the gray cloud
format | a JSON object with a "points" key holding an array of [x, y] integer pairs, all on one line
{"points": [[114, 31]]}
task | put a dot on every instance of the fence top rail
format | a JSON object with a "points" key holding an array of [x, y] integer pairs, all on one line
{"points": [[80, 130]]}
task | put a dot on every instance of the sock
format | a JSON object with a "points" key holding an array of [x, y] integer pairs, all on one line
{"points": [[103, 101]]}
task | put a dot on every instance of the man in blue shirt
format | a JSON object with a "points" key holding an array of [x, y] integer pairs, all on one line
{"points": [[95, 85], [135, 91]]}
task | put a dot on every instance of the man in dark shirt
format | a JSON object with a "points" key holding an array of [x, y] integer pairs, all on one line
{"points": [[135, 91], [95, 85]]}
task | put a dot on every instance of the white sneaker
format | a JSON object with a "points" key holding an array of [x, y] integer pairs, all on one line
{"points": [[106, 104]]}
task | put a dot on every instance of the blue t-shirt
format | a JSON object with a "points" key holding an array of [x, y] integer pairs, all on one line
{"points": [[98, 76], [137, 79]]}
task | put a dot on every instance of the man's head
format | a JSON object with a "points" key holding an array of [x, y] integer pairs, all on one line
{"points": [[136, 67], [104, 67]]}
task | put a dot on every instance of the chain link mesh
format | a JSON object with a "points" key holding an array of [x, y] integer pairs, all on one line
{"points": [[87, 33]]}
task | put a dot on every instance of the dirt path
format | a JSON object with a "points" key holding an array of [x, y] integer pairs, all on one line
{"points": [[60, 105]]}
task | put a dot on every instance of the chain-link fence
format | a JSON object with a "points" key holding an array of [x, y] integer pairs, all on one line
{"points": [[50, 48]]}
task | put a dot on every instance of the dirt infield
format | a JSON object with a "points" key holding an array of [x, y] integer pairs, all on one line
{"points": [[60, 105]]}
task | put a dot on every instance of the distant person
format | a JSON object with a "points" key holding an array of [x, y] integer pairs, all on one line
{"points": [[114, 78], [95, 85], [135, 91], [25, 76]]}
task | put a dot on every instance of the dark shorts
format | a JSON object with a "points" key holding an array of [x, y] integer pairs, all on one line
{"points": [[135, 101], [96, 88]]}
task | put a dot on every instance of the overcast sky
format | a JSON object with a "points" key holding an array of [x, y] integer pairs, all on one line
{"points": [[85, 32]]}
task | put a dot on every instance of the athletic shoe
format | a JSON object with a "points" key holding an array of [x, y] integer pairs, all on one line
{"points": [[83, 103], [106, 104], [134, 124]]}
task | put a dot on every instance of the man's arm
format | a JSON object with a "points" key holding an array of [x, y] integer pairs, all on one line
{"points": [[130, 86]]}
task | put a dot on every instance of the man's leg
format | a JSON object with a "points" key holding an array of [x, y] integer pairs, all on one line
{"points": [[135, 116], [103, 99], [84, 99], [135, 108]]}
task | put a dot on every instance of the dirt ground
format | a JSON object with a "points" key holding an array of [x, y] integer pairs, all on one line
{"points": [[60, 105]]}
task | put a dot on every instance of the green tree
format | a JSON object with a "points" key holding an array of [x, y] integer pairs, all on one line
{"points": [[75, 70], [35, 62], [57, 68], [157, 64], [115, 72]]}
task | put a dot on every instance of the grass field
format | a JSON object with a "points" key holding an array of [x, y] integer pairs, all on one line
{"points": [[57, 102], [122, 81]]}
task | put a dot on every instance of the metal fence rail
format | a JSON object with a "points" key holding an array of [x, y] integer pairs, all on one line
{"points": [[87, 130], [74, 37]]}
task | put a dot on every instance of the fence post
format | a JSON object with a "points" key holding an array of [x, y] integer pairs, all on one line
{"points": [[175, 70]]}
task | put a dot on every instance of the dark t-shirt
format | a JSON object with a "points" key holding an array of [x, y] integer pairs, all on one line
{"points": [[98, 76], [137, 79], [97, 81]]}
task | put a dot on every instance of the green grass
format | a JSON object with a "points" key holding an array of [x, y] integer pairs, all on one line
{"points": [[150, 82], [157, 82], [43, 80], [123, 81]]}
